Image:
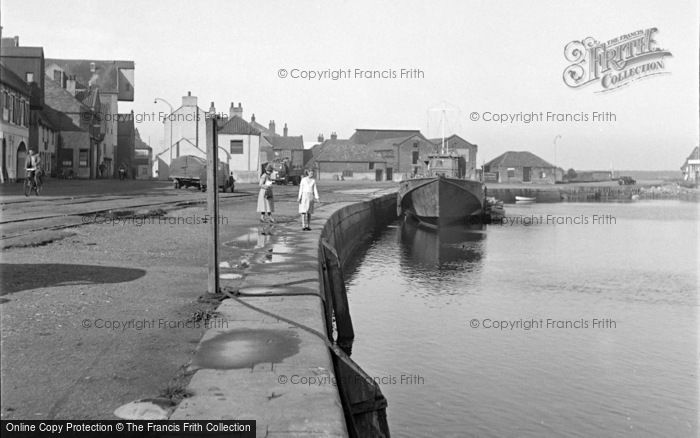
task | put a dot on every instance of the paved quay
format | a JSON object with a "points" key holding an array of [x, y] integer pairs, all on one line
{"points": [[137, 269], [265, 356]]}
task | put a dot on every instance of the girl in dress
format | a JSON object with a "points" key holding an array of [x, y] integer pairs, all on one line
{"points": [[307, 194], [265, 202]]}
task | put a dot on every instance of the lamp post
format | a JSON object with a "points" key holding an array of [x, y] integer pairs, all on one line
{"points": [[555, 157], [170, 146]]}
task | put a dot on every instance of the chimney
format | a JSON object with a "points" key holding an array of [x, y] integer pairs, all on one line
{"points": [[212, 110], [16, 41], [320, 138], [334, 136], [284, 131], [271, 126], [238, 111], [252, 118], [70, 85], [231, 110], [189, 100]]}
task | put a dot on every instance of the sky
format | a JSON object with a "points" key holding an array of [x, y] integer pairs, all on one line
{"points": [[474, 59]]}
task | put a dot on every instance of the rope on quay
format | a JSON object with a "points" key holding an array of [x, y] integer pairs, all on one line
{"points": [[308, 329]]}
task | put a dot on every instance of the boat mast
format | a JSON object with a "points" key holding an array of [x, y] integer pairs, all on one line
{"points": [[442, 122]]}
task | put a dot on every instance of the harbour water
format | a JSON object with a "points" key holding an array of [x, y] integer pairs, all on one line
{"points": [[551, 324]]}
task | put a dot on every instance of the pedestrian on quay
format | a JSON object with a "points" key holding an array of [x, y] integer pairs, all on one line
{"points": [[307, 194], [266, 204]]}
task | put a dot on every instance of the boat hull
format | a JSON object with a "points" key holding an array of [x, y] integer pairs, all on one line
{"points": [[441, 201]]}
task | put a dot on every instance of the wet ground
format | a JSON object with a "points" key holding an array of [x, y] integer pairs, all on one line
{"points": [[102, 313]]}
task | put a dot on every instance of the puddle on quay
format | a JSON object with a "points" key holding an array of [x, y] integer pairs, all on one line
{"points": [[253, 239], [244, 348], [276, 258]]}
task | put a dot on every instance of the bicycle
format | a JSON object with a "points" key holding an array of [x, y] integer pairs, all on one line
{"points": [[30, 184]]}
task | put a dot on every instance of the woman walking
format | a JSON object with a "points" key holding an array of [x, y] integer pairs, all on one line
{"points": [[266, 203], [307, 194]]}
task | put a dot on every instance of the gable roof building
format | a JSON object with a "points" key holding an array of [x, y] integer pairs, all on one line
{"points": [[691, 167], [345, 159], [522, 166], [518, 159]]}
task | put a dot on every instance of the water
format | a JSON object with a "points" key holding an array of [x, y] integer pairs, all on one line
{"points": [[414, 296]]}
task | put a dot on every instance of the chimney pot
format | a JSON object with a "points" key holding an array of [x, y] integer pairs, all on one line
{"points": [[334, 136], [189, 93], [285, 130], [320, 138], [252, 118]]}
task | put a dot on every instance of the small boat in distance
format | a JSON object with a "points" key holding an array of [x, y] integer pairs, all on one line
{"points": [[524, 199]]}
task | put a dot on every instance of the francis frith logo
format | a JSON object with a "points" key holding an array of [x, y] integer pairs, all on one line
{"points": [[616, 62]]}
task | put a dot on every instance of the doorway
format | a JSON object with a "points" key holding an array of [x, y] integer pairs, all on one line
{"points": [[526, 174], [378, 174], [21, 161]]}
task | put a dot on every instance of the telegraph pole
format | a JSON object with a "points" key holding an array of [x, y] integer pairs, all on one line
{"points": [[213, 205]]}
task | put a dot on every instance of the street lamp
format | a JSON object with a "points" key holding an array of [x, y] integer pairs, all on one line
{"points": [[170, 146], [555, 157]]}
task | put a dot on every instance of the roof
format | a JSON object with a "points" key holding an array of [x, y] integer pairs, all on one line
{"points": [[11, 79], [518, 159], [237, 126], [344, 150], [105, 76], [139, 144], [263, 129], [286, 143], [365, 136], [22, 52], [438, 141], [58, 120], [694, 155], [388, 143], [60, 99]]}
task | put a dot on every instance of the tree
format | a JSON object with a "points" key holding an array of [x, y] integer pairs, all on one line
{"points": [[571, 174]]}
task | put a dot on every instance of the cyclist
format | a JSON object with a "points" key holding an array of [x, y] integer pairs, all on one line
{"points": [[32, 167]]}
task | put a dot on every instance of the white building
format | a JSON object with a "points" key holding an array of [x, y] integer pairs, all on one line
{"points": [[691, 167], [240, 143], [185, 133]]}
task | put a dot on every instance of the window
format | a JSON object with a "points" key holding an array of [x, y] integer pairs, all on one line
{"points": [[371, 165], [83, 158], [236, 147], [20, 115], [26, 114], [511, 172], [57, 76], [30, 77], [347, 173], [12, 109], [415, 157]]}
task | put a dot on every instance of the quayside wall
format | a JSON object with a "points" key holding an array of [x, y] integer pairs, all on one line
{"points": [[345, 232]]}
